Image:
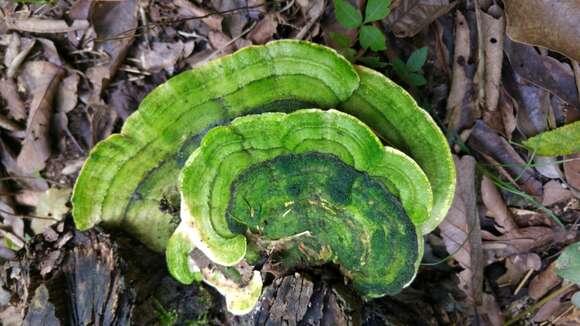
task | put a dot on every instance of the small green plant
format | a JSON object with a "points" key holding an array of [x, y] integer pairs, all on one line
{"points": [[369, 36], [165, 317], [410, 71]]}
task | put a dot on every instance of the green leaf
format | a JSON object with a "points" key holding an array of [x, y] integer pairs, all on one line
{"points": [[416, 79], [372, 38], [341, 40], [373, 62], [561, 141], [377, 10], [417, 59], [347, 15], [568, 264], [400, 68]]}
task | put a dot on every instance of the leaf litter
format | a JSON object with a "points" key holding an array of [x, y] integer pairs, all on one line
{"points": [[72, 74]]}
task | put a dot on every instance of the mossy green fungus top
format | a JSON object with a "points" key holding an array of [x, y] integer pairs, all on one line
{"points": [[130, 179]]}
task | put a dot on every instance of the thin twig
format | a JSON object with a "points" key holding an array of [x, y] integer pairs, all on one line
{"points": [[126, 33]]}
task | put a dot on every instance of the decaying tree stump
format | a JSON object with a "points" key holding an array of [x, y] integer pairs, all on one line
{"points": [[66, 277]]}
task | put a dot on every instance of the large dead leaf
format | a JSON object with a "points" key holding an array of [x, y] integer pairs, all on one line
{"points": [[462, 109], [42, 79], [461, 230], [409, 17], [548, 23], [543, 71]]}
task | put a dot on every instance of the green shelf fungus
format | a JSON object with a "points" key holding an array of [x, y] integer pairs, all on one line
{"points": [[194, 126]]}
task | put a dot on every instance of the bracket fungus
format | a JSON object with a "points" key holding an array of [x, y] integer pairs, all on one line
{"points": [[284, 146]]}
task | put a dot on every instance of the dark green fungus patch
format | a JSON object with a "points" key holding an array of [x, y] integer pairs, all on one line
{"points": [[336, 214]]}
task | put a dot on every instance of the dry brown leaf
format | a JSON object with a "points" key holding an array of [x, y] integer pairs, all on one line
{"points": [[8, 159], [525, 218], [409, 17], [491, 25], [554, 192], [517, 266], [496, 205], [114, 23], [264, 30], [572, 170], [460, 230], [66, 101], [543, 71], [42, 79], [487, 142], [462, 110], [163, 55], [45, 26], [214, 22], [544, 282], [547, 23], [221, 42]]}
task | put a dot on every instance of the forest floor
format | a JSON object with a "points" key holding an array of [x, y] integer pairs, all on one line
{"points": [[72, 72]]}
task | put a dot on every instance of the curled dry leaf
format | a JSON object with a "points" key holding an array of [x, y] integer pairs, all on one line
{"points": [[462, 110], [495, 204], [45, 26], [491, 25], [543, 71], [14, 64], [486, 141], [547, 23], [42, 79], [461, 230], [409, 17], [544, 282]]}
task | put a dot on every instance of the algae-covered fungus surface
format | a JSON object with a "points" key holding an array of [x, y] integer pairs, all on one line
{"points": [[285, 146]]}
